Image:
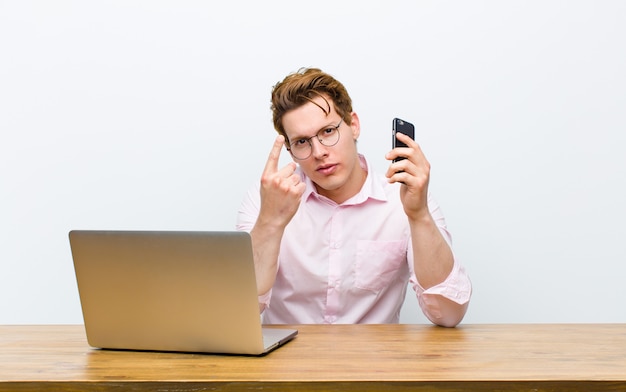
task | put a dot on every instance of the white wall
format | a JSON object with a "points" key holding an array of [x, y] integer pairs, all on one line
{"points": [[155, 115]]}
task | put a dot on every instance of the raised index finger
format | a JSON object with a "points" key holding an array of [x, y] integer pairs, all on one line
{"points": [[272, 161]]}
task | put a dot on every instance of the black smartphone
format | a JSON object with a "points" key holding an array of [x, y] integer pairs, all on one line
{"points": [[403, 127]]}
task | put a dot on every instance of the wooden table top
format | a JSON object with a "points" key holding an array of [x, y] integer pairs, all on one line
{"points": [[330, 357]]}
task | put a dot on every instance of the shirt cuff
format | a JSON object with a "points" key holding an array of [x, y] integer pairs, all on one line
{"points": [[457, 286]]}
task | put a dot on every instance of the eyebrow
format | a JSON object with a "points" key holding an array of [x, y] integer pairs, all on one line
{"points": [[330, 125]]}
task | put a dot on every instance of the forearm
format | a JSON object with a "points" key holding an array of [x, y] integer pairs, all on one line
{"points": [[444, 304], [265, 249], [432, 257]]}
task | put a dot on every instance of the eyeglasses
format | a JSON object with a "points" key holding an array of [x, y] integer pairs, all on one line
{"points": [[303, 148]]}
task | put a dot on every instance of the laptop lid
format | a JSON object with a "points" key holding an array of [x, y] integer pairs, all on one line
{"points": [[170, 291]]}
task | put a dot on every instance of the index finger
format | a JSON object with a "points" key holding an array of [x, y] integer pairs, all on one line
{"points": [[406, 139], [417, 157], [272, 161]]}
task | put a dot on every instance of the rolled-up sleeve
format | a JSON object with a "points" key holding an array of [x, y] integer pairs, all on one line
{"points": [[456, 287]]}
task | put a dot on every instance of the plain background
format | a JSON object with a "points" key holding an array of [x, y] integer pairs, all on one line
{"points": [[155, 115]]}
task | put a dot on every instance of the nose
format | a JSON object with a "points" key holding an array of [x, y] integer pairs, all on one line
{"points": [[318, 150]]}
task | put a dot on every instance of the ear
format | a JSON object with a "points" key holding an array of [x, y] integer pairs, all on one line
{"points": [[356, 126]]}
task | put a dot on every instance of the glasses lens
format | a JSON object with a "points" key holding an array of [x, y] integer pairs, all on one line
{"points": [[301, 149], [328, 137]]}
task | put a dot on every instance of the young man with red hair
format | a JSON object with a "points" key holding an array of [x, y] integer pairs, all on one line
{"points": [[333, 241]]}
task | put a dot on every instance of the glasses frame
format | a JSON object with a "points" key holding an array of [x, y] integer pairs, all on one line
{"points": [[319, 139]]}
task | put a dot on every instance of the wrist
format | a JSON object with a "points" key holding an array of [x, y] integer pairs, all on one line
{"points": [[420, 217], [268, 227]]}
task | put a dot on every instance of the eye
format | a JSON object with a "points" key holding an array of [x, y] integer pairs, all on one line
{"points": [[328, 131], [299, 142]]}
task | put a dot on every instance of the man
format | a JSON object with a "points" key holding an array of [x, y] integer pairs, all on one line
{"points": [[333, 242]]}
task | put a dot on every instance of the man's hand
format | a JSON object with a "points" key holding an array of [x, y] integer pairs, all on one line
{"points": [[414, 173], [281, 190]]}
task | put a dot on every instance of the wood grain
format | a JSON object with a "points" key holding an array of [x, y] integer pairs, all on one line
{"points": [[331, 357]]}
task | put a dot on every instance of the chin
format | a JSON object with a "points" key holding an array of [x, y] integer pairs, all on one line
{"points": [[329, 184]]}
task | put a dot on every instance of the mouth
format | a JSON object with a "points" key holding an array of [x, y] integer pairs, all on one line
{"points": [[327, 169]]}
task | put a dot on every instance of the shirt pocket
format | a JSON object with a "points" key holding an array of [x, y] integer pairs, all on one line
{"points": [[378, 263]]}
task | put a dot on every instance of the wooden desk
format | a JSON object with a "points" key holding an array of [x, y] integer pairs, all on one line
{"points": [[348, 357]]}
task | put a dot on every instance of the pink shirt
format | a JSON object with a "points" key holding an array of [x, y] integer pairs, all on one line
{"points": [[350, 263]]}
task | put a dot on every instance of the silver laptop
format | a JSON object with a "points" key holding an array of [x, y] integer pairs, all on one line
{"points": [[171, 291]]}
